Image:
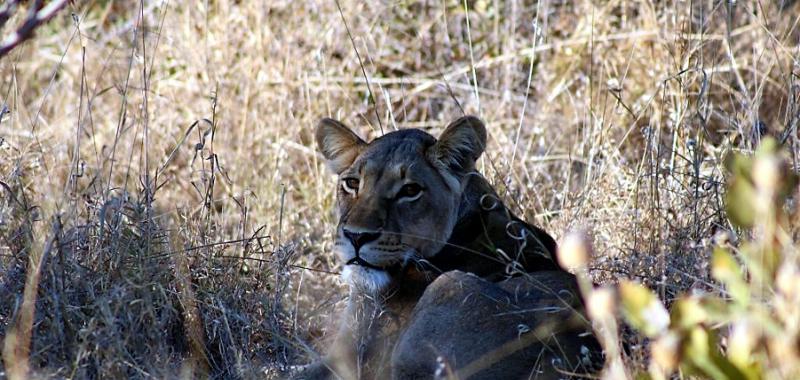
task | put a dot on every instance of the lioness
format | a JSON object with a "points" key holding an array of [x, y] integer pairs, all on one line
{"points": [[444, 280]]}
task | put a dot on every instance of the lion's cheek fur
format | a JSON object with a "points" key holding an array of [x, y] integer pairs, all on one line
{"points": [[433, 229]]}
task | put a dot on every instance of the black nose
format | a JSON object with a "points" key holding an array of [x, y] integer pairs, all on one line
{"points": [[358, 239]]}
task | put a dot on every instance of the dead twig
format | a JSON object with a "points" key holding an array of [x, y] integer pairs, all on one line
{"points": [[36, 18]]}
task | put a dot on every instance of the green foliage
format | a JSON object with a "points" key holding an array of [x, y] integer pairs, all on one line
{"points": [[643, 309], [750, 330], [728, 271]]}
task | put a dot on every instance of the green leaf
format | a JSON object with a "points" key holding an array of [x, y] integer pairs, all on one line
{"points": [[739, 202], [727, 270], [642, 309], [718, 310], [688, 312], [739, 165], [768, 147], [742, 341], [702, 357]]}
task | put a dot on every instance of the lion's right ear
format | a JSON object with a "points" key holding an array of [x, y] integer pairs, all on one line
{"points": [[338, 144]]}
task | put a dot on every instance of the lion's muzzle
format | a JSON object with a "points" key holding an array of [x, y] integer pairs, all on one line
{"points": [[359, 239]]}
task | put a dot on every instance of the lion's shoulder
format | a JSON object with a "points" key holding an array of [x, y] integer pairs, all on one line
{"points": [[492, 242]]}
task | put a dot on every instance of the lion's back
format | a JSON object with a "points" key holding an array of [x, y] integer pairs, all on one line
{"points": [[528, 326]]}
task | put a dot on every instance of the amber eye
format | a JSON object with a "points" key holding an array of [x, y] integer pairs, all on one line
{"points": [[350, 185], [410, 190]]}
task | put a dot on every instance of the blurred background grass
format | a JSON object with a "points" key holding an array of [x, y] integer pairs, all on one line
{"points": [[158, 164]]}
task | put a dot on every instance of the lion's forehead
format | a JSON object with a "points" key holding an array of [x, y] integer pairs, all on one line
{"points": [[386, 161], [393, 148]]}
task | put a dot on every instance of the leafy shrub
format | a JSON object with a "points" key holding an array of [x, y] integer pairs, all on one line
{"points": [[750, 328]]}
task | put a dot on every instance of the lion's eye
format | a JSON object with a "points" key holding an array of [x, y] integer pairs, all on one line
{"points": [[350, 185], [410, 190]]}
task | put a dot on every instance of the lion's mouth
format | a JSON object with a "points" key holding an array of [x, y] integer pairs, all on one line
{"points": [[364, 263]]}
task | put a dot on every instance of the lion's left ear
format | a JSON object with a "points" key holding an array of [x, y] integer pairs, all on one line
{"points": [[461, 143]]}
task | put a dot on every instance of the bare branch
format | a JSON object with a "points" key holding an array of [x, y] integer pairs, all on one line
{"points": [[7, 10], [35, 19]]}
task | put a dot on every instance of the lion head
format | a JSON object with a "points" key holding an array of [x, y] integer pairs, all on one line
{"points": [[397, 196]]}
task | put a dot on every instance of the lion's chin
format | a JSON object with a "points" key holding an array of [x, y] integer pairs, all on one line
{"points": [[367, 279]]}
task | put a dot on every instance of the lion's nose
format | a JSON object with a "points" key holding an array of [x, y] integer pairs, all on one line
{"points": [[358, 239]]}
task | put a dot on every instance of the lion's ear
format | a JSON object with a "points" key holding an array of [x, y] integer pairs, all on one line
{"points": [[461, 143], [338, 144]]}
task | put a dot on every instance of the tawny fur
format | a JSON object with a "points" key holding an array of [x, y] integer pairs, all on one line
{"points": [[444, 279]]}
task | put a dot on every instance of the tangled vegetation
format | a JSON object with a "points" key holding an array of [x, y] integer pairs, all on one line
{"points": [[164, 212]]}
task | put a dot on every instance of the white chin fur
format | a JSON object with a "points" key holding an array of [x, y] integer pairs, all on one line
{"points": [[371, 280]]}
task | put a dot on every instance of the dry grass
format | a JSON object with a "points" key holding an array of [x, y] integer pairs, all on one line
{"points": [[158, 166]]}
